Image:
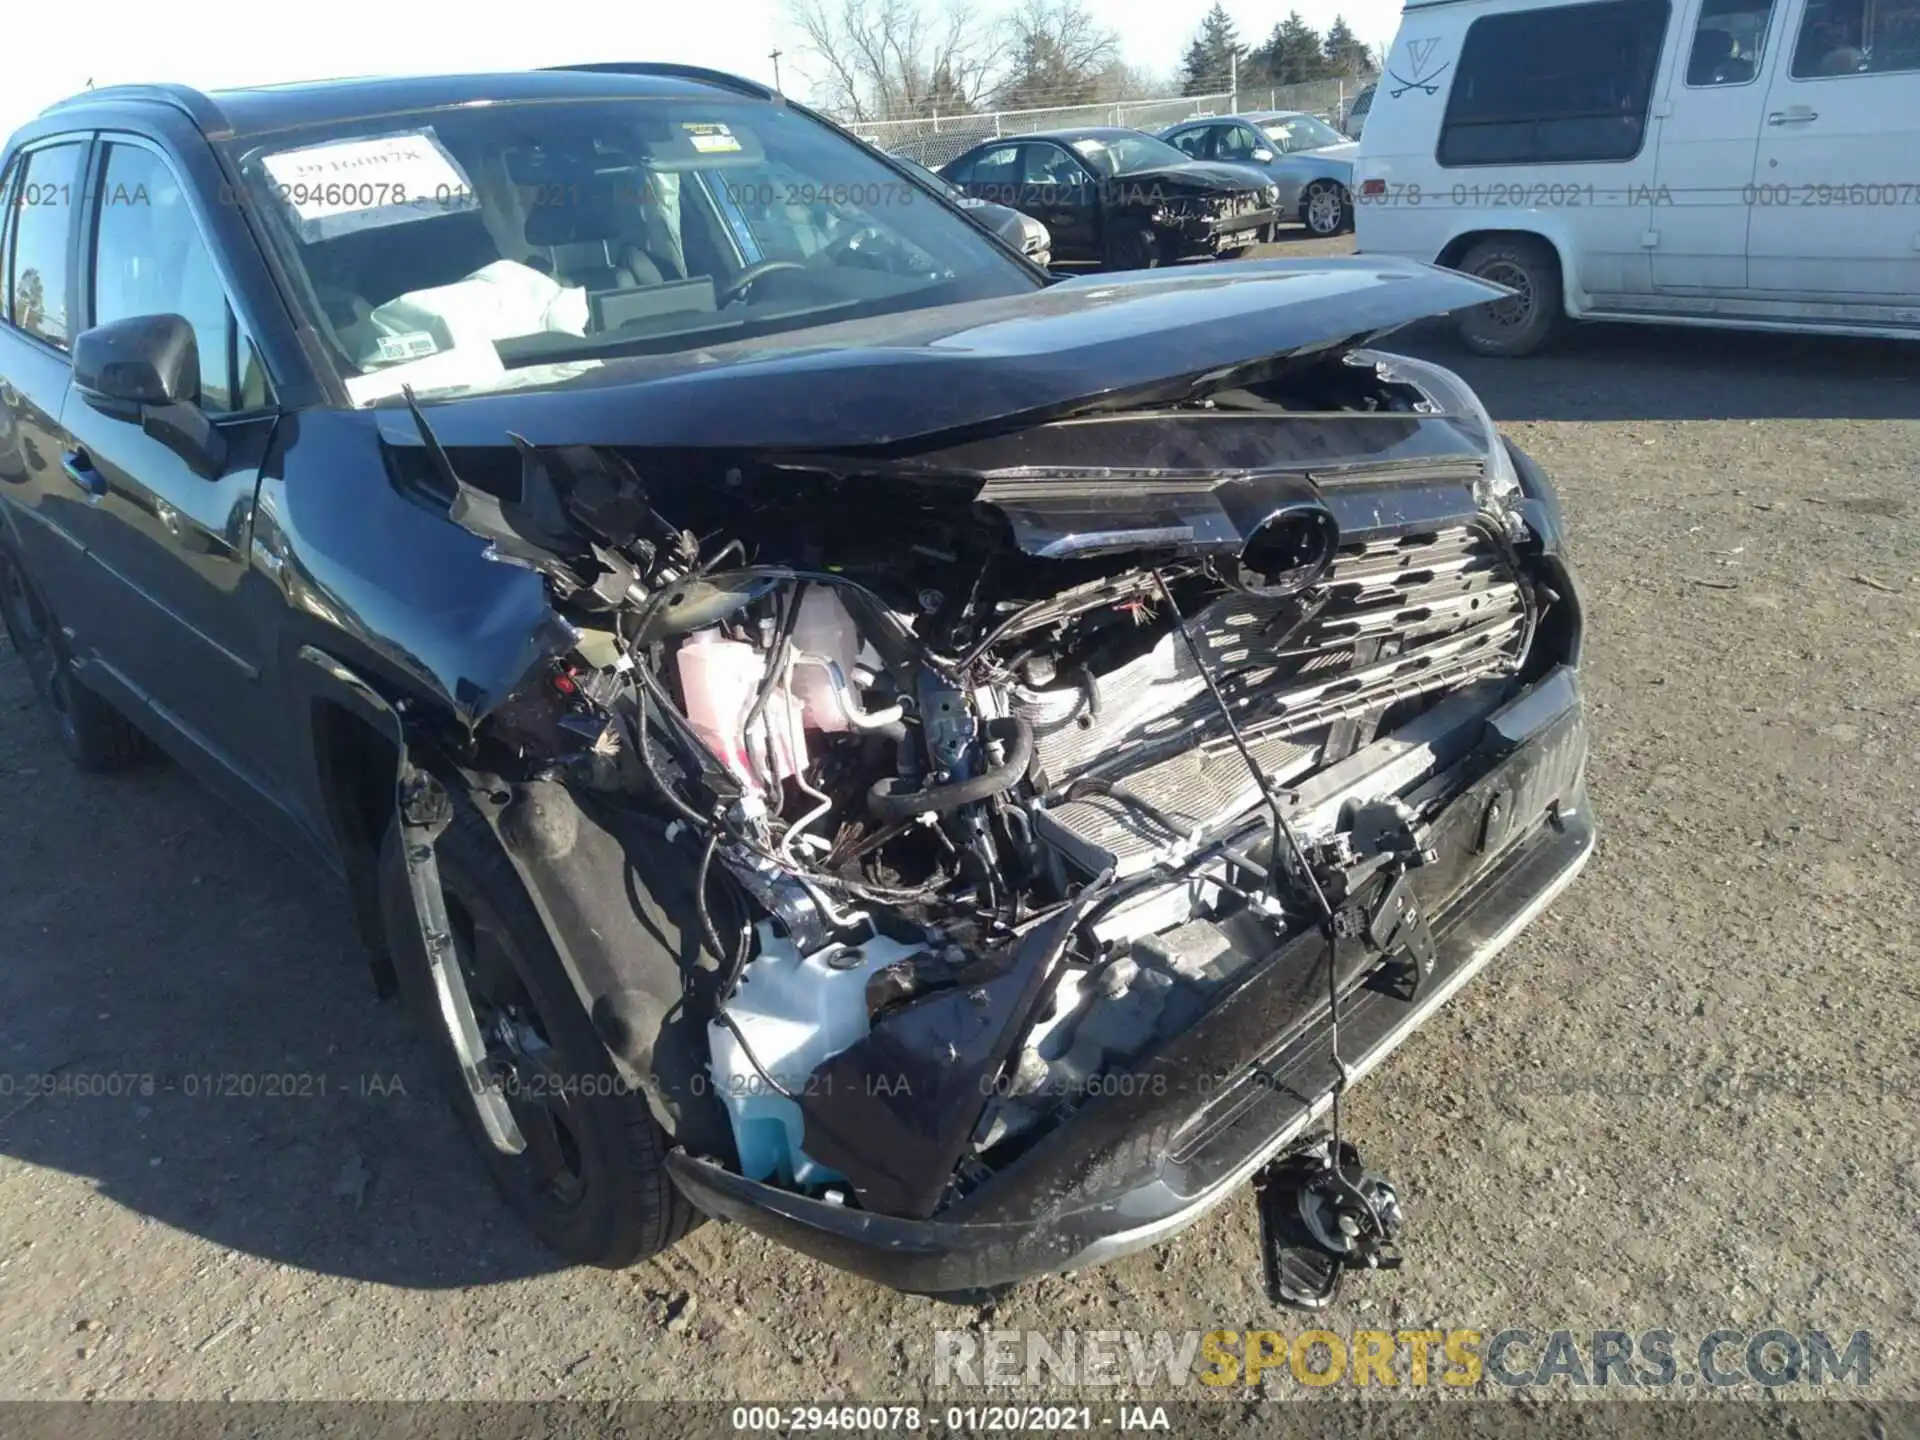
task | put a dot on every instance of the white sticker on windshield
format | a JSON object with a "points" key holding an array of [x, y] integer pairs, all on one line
{"points": [[350, 185], [711, 137], [410, 346]]}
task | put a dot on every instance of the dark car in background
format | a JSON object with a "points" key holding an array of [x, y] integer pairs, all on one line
{"points": [[825, 724], [1023, 232], [1121, 197]]}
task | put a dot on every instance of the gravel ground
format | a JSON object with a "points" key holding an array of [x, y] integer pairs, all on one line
{"points": [[1683, 1100]]}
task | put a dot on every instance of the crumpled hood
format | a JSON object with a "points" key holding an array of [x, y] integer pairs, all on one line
{"points": [[958, 369], [1207, 176]]}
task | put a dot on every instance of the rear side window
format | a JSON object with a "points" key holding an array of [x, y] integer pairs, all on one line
{"points": [[1540, 87], [43, 205], [1189, 142], [1857, 37], [6, 228]]}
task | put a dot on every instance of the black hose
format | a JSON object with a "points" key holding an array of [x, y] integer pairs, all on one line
{"points": [[890, 805]]}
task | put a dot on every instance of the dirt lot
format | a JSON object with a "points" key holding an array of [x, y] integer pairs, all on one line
{"points": [[1684, 1100]]}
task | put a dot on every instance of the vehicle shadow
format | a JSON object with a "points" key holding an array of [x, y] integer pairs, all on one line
{"points": [[188, 1023]]}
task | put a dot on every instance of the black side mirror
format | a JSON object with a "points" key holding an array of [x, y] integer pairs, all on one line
{"points": [[142, 360], [146, 369]]}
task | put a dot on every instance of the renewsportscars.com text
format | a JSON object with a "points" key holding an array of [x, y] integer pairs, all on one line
{"points": [[1403, 1359]]}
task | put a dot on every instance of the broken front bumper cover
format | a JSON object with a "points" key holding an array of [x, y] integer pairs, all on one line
{"points": [[1217, 1102]]}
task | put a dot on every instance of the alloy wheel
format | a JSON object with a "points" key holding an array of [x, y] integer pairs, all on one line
{"points": [[1326, 211]]}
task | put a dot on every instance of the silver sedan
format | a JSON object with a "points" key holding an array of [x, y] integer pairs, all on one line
{"points": [[1307, 158]]}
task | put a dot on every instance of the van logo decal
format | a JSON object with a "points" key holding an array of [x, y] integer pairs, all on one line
{"points": [[1426, 75]]}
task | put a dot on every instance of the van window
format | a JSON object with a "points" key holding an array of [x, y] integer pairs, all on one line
{"points": [[1538, 87], [1857, 37], [1728, 43]]}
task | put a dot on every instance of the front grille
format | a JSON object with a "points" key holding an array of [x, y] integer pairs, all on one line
{"points": [[1402, 617]]}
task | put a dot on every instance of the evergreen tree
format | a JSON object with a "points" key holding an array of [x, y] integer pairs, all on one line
{"points": [[1292, 53], [1209, 61], [1344, 53]]}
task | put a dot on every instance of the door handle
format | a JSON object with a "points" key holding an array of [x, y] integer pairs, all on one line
{"points": [[79, 467], [1798, 115]]}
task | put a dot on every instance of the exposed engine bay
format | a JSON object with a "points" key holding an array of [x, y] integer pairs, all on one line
{"points": [[979, 754]]}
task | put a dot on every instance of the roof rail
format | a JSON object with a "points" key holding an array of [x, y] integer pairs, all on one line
{"points": [[196, 105], [668, 70]]}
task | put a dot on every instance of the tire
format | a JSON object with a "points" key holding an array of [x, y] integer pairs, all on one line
{"points": [[1130, 245], [96, 737], [609, 1200], [1526, 322], [1326, 209]]}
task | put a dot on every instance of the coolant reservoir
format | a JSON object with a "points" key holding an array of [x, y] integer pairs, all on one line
{"points": [[825, 630], [719, 678]]}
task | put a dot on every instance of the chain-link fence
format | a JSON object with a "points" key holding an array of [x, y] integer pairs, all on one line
{"points": [[933, 140]]}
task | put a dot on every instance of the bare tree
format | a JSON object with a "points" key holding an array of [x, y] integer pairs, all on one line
{"points": [[897, 59], [1121, 81], [1059, 54]]}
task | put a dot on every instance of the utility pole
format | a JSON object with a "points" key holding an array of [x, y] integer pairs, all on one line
{"points": [[1233, 81], [774, 55]]}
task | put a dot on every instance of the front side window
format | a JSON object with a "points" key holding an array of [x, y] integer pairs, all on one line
{"points": [[1857, 37], [149, 259], [1728, 42], [1236, 142], [1050, 165], [998, 166], [42, 218], [1568, 84], [443, 250]]}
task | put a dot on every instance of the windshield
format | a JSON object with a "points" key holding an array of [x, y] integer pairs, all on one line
{"points": [[444, 250], [1301, 132], [927, 177], [1121, 154]]}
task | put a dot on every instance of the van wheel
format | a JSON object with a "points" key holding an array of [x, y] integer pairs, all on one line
{"points": [[1326, 209], [574, 1150], [96, 737], [1131, 245], [1525, 321]]}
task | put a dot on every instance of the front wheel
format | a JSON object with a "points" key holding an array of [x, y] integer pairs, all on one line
{"points": [[573, 1149], [1327, 209], [1131, 245], [1526, 321]]}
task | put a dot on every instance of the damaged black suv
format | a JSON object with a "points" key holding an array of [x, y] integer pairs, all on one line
{"points": [[829, 727]]}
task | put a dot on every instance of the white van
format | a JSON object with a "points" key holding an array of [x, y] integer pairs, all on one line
{"points": [[1750, 163]]}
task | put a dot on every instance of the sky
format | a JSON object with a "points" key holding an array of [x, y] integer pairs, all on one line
{"points": [[56, 49]]}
